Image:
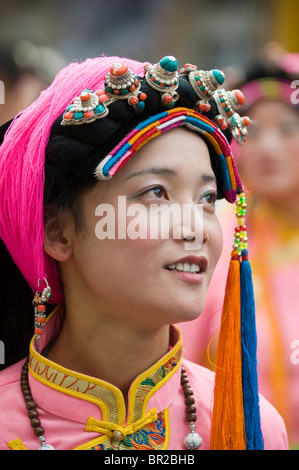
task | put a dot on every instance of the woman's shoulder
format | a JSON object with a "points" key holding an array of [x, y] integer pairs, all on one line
{"points": [[10, 376]]}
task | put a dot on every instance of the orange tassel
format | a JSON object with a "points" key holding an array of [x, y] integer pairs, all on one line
{"points": [[228, 423]]}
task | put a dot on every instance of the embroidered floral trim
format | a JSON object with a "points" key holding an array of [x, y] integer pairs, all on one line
{"points": [[151, 437]]}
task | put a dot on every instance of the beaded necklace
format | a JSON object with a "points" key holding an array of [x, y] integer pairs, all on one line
{"points": [[192, 441]]}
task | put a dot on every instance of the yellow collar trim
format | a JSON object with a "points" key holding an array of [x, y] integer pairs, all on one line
{"points": [[108, 397]]}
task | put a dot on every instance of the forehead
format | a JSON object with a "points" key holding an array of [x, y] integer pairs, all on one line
{"points": [[179, 149], [272, 111]]}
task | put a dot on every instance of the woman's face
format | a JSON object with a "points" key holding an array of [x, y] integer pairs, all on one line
{"points": [[142, 275], [269, 162]]}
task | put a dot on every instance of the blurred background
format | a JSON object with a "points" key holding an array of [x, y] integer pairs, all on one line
{"points": [[44, 35], [39, 37]]}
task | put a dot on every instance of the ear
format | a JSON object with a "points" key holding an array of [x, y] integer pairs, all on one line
{"points": [[56, 249], [59, 230]]}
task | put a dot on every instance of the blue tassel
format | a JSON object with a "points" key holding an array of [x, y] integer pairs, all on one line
{"points": [[254, 437]]}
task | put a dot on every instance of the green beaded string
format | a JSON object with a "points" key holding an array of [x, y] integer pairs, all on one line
{"points": [[240, 241]]}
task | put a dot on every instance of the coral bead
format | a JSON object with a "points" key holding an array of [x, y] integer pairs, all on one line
{"points": [[38, 331], [103, 98], [240, 97], [167, 99], [88, 114], [68, 115], [204, 107], [118, 69], [85, 96], [246, 121], [133, 100]]}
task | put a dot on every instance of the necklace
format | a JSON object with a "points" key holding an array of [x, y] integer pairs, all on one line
{"points": [[192, 441]]}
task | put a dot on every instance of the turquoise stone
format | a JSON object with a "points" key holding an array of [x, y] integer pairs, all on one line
{"points": [[140, 106], [219, 76], [100, 109], [169, 63], [78, 115]]}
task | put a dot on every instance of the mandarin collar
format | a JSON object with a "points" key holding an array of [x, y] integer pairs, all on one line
{"points": [[155, 388]]}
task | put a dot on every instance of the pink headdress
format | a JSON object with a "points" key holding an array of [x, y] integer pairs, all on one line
{"points": [[22, 156]]}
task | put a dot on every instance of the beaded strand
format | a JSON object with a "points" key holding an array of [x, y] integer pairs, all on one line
{"points": [[241, 239], [31, 409], [192, 441]]}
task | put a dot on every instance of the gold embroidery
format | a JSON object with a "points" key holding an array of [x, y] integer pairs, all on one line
{"points": [[16, 444], [111, 401]]}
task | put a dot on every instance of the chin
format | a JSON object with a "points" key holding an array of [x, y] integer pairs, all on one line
{"points": [[185, 314]]}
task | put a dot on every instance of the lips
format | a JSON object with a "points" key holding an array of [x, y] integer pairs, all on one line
{"points": [[190, 264]]}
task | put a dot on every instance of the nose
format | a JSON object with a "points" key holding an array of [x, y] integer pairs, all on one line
{"points": [[193, 231], [269, 142]]}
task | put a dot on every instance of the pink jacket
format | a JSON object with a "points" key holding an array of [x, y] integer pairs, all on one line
{"points": [[81, 412]]}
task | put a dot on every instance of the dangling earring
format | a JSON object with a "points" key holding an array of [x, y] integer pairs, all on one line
{"points": [[40, 312]]}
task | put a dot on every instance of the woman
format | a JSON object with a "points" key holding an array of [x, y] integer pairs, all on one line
{"points": [[106, 370], [269, 167]]}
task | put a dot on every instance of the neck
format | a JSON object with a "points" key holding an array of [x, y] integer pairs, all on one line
{"points": [[96, 342]]}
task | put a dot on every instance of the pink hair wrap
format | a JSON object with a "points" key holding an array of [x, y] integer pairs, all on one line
{"points": [[22, 159]]}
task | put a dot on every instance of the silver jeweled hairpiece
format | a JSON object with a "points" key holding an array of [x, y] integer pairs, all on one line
{"points": [[123, 84]]}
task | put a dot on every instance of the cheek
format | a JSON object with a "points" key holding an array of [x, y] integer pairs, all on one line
{"points": [[291, 155], [216, 244], [248, 161]]}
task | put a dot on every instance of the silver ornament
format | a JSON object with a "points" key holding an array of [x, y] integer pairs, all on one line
{"points": [[193, 441], [46, 447]]}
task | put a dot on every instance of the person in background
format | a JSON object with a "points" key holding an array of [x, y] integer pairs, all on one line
{"points": [[25, 70], [269, 165]]}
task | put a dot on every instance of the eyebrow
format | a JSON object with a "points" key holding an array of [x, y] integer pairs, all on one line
{"points": [[209, 178], [153, 171], [166, 171]]}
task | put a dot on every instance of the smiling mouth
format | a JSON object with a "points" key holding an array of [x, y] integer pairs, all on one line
{"points": [[190, 264], [184, 267]]}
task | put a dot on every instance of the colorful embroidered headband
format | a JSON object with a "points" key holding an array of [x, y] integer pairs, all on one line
{"points": [[161, 123]]}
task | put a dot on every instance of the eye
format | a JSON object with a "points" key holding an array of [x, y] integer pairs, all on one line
{"points": [[153, 192], [289, 127], [254, 131], [158, 191], [209, 198]]}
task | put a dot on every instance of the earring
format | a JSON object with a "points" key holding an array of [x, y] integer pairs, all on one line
{"points": [[40, 312]]}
